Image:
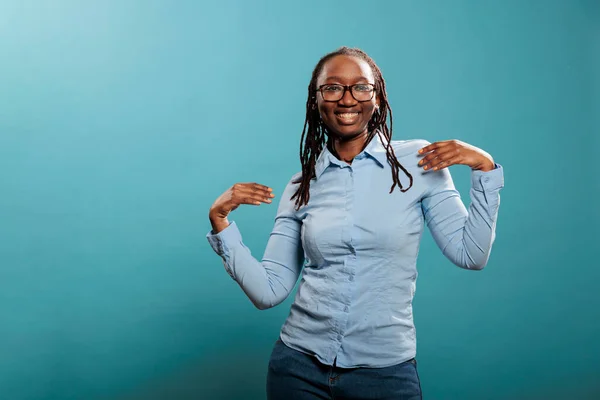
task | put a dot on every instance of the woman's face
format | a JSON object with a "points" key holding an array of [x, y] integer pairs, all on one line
{"points": [[346, 118]]}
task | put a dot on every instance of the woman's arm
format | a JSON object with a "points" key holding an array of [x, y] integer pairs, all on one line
{"points": [[267, 282], [465, 237]]}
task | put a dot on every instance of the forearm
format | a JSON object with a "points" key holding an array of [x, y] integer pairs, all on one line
{"points": [[266, 283], [471, 244], [466, 237]]}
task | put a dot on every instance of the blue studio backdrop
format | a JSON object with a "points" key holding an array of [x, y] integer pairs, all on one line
{"points": [[122, 121]]}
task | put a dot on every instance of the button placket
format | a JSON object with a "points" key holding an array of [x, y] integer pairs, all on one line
{"points": [[348, 262]]}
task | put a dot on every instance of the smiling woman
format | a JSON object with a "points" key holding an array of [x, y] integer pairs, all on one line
{"points": [[347, 116], [350, 332]]}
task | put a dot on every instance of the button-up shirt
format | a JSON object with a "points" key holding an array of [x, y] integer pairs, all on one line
{"points": [[355, 245]]}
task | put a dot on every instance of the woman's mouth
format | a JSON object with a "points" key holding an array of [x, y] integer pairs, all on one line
{"points": [[347, 118]]}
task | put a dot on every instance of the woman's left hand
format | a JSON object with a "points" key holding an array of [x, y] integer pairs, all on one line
{"points": [[443, 154]]}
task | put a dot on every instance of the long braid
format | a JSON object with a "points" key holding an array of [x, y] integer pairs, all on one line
{"points": [[314, 132]]}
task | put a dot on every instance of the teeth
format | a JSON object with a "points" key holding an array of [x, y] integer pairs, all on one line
{"points": [[347, 115]]}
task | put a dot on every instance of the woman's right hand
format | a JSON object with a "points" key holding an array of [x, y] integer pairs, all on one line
{"points": [[240, 193]]}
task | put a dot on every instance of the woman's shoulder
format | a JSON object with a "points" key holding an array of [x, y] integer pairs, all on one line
{"points": [[404, 148], [407, 154], [295, 179]]}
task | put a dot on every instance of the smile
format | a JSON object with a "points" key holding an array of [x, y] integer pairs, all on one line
{"points": [[346, 117]]}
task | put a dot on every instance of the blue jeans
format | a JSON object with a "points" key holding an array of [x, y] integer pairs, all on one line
{"points": [[297, 376]]}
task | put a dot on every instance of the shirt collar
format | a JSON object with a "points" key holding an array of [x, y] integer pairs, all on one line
{"points": [[375, 149]]}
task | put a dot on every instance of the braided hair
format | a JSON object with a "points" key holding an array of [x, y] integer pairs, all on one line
{"points": [[314, 131]]}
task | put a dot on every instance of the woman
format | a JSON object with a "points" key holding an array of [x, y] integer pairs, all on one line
{"points": [[352, 221]]}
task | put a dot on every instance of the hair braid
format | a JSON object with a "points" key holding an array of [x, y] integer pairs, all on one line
{"points": [[313, 133]]}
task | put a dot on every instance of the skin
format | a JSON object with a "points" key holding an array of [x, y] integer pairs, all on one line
{"points": [[440, 155], [348, 138], [238, 194]]}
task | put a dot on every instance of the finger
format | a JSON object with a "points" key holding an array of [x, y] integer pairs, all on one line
{"points": [[257, 187], [434, 146], [253, 186], [447, 163], [427, 159], [253, 201], [438, 154], [251, 198], [255, 193], [241, 191]]}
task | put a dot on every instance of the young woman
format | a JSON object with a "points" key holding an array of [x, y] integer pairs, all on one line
{"points": [[351, 223]]}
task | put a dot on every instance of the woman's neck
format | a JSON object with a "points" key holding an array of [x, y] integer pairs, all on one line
{"points": [[346, 150]]}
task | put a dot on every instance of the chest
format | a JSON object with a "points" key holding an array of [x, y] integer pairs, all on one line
{"points": [[351, 210]]}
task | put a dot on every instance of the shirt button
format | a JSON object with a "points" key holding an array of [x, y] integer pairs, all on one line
{"points": [[351, 278], [346, 308], [339, 337]]}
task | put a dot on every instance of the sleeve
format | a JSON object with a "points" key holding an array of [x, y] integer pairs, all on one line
{"points": [[465, 237], [267, 282]]}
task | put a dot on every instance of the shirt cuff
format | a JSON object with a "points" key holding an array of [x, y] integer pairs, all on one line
{"points": [[224, 239], [488, 181]]}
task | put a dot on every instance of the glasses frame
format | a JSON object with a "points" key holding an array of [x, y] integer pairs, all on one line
{"points": [[347, 88]]}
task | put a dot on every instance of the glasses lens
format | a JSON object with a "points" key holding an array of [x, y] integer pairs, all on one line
{"points": [[362, 92], [332, 92]]}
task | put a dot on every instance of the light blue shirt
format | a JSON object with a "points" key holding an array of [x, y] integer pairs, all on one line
{"points": [[356, 247]]}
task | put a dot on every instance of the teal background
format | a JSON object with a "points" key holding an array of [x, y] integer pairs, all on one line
{"points": [[122, 121]]}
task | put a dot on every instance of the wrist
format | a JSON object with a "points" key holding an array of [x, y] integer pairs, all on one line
{"points": [[218, 222], [486, 166], [487, 169]]}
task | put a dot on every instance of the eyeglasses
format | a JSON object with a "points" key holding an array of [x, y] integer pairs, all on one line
{"points": [[360, 92]]}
